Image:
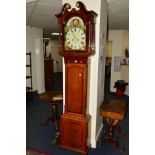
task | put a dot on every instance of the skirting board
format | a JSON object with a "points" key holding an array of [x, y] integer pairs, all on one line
{"points": [[91, 141]]}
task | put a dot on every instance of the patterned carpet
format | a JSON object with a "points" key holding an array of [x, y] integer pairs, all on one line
{"points": [[40, 137], [35, 152]]}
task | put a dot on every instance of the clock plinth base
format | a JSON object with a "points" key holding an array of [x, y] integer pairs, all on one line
{"points": [[74, 133]]}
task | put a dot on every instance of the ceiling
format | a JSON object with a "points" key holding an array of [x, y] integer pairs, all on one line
{"points": [[41, 13]]}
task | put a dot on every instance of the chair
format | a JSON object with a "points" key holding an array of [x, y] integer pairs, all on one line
{"points": [[113, 111], [54, 98]]}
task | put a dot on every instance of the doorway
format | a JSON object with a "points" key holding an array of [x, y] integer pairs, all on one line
{"points": [[108, 59]]}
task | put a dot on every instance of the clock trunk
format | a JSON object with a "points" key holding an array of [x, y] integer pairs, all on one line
{"points": [[76, 84]]}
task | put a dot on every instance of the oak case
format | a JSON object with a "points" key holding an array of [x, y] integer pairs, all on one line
{"points": [[76, 44]]}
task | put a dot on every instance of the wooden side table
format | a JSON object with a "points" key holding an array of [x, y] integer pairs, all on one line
{"points": [[54, 98], [113, 111]]}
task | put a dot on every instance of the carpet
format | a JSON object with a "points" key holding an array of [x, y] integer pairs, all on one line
{"points": [[39, 137], [31, 151]]}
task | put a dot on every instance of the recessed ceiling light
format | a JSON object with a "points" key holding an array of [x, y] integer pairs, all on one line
{"points": [[54, 34], [46, 38]]}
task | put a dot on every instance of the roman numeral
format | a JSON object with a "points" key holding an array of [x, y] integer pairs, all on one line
{"points": [[68, 42]]}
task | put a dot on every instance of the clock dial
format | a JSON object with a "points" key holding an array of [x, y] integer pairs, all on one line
{"points": [[75, 39], [75, 34]]}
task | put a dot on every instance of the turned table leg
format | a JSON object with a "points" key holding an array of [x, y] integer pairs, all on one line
{"points": [[110, 137], [55, 116]]}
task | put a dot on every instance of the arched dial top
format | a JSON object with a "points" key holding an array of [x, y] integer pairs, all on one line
{"points": [[75, 34]]}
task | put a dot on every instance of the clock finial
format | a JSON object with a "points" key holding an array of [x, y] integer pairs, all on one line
{"points": [[65, 7], [80, 5]]}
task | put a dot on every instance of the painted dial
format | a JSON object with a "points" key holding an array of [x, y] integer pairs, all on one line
{"points": [[76, 39]]}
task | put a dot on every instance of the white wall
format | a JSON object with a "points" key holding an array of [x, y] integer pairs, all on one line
{"points": [[101, 64], [53, 49], [95, 67], [34, 43], [120, 41]]}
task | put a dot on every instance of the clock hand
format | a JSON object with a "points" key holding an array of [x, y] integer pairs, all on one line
{"points": [[73, 35]]}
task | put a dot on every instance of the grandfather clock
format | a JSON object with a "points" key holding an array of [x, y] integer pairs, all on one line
{"points": [[76, 44]]}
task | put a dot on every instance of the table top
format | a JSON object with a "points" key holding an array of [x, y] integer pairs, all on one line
{"points": [[117, 106], [51, 96]]}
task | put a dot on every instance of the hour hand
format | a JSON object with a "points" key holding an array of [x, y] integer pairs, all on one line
{"points": [[74, 35]]}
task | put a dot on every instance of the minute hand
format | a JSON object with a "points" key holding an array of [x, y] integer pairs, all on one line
{"points": [[73, 33]]}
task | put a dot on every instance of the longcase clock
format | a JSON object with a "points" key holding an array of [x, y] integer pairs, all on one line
{"points": [[76, 44]]}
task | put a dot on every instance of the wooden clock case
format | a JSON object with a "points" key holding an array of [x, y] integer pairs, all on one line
{"points": [[74, 122]]}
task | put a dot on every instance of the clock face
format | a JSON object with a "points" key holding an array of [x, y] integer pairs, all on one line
{"points": [[75, 34], [76, 39]]}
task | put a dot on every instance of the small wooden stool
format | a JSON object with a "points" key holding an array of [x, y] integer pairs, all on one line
{"points": [[113, 111], [55, 98]]}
